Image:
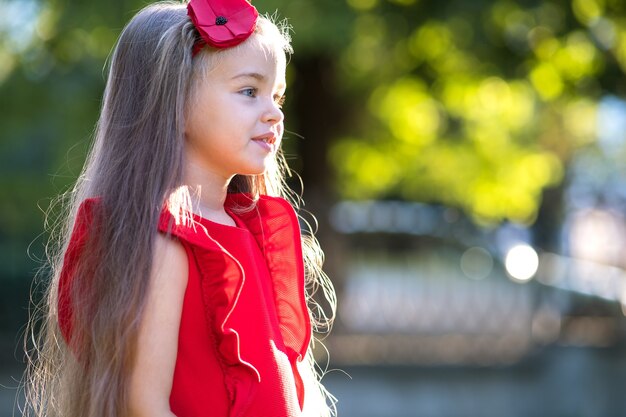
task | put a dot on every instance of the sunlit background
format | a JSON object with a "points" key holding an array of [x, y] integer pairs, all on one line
{"points": [[466, 161]]}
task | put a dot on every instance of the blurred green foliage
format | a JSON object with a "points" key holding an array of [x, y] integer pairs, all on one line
{"points": [[474, 104], [478, 105]]}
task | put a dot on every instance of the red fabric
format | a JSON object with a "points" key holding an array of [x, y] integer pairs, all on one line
{"points": [[238, 21], [244, 323], [82, 225]]}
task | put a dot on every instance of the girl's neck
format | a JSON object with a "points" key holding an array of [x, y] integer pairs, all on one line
{"points": [[208, 193]]}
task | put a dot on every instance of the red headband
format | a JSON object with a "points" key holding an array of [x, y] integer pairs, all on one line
{"points": [[222, 23]]}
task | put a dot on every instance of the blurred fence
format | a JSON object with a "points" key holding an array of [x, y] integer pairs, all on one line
{"points": [[437, 317]]}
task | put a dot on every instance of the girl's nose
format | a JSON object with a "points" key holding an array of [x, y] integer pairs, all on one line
{"points": [[273, 113]]}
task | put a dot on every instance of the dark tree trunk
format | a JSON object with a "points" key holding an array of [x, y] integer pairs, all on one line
{"points": [[318, 121], [320, 117], [547, 227]]}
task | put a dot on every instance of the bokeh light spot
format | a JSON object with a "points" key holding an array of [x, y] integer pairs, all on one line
{"points": [[521, 262]]}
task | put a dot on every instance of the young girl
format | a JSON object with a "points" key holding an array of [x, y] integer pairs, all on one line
{"points": [[179, 288]]}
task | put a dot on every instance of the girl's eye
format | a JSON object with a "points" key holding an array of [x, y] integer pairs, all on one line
{"points": [[280, 100], [250, 92]]}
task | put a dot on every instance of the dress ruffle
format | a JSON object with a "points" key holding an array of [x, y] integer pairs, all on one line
{"points": [[274, 225]]}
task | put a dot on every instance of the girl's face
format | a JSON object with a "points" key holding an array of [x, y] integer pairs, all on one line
{"points": [[235, 123]]}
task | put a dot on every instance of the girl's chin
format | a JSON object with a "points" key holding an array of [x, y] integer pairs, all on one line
{"points": [[254, 170], [259, 167]]}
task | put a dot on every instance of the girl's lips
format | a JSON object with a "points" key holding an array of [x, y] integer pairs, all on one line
{"points": [[266, 141], [268, 137]]}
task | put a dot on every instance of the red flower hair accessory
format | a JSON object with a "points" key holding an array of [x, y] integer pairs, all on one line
{"points": [[222, 23]]}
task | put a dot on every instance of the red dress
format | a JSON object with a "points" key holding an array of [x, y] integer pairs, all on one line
{"points": [[244, 323]]}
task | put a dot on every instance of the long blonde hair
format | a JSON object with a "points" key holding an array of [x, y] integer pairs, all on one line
{"points": [[134, 166]]}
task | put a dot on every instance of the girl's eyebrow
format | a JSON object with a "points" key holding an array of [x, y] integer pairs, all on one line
{"points": [[254, 75]]}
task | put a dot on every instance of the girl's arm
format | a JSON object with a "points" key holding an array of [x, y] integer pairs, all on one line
{"points": [[157, 344]]}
